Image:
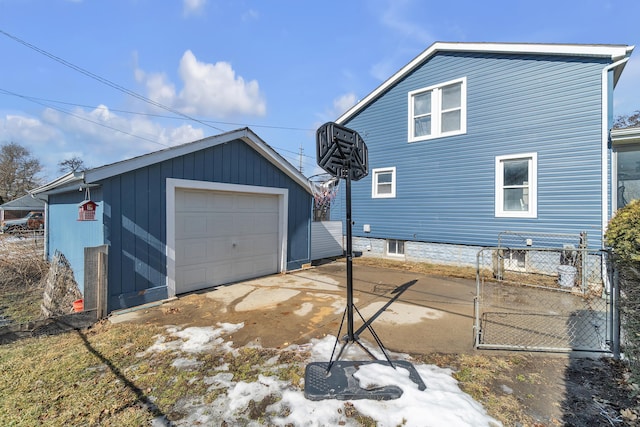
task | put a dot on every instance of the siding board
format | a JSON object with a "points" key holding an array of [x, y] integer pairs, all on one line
{"points": [[141, 262], [515, 104]]}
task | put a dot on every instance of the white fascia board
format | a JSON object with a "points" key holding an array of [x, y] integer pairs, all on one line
{"points": [[65, 181], [614, 52]]}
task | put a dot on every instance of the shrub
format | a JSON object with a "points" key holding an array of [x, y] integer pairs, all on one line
{"points": [[623, 236], [623, 232]]}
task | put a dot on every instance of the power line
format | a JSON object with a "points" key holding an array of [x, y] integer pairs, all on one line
{"points": [[42, 102], [84, 118], [162, 116], [120, 88], [105, 81]]}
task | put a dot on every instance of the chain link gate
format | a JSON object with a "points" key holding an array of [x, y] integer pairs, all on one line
{"points": [[544, 299]]}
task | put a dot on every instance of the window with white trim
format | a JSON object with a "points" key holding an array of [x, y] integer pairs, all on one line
{"points": [[516, 186], [439, 110], [383, 183], [395, 247]]}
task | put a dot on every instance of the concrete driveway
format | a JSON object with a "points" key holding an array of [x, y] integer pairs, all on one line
{"points": [[414, 313]]}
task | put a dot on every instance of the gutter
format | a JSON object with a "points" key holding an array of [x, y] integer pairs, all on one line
{"points": [[605, 142]]}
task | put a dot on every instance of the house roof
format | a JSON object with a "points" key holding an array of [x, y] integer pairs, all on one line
{"points": [[24, 203], [613, 52], [91, 177], [626, 135]]}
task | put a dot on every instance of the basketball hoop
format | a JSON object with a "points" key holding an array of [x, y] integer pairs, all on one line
{"points": [[324, 188], [342, 153]]}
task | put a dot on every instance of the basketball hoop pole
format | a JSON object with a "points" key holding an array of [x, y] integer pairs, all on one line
{"points": [[350, 336], [342, 153]]}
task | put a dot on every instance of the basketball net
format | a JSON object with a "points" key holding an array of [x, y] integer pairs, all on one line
{"points": [[324, 188]]}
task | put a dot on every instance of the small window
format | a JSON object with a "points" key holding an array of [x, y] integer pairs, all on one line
{"points": [[515, 260], [383, 183], [437, 111], [395, 247], [516, 186]]}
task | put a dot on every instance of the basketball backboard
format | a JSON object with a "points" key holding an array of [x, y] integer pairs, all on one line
{"points": [[341, 150]]}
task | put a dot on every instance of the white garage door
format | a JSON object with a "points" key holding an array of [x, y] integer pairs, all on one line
{"points": [[222, 237]]}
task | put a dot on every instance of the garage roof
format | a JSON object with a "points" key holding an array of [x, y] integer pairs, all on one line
{"points": [[92, 176], [24, 203]]}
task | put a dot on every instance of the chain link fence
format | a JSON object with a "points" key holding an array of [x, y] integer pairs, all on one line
{"points": [[556, 296]]}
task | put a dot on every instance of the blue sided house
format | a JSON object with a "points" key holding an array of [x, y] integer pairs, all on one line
{"points": [[470, 140], [202, 214]]}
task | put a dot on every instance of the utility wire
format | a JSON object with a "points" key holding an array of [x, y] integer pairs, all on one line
{"points": [[121, 89], [83, 118], [44, 101], [162, 116], [105, 81]]}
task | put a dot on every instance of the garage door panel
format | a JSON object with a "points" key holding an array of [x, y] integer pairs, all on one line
{"points": [[263, 264], [192, 200], [260, 244], [223, 237], [192, 251], [192, 279], [191, 225]]}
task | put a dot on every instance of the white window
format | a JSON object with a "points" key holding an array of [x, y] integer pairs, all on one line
{"points": [[516, 186], [515, 260], [395, 247], [439, 110], [383, 183]]}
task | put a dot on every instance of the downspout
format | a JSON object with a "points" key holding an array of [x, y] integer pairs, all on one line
{"points": [[605, 144]]}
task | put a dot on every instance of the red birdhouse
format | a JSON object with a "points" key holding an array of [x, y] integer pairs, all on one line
{"points": [[87, 211]]}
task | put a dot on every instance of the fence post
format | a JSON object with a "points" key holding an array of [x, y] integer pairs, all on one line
{"points": [[584, 254], [615, 306]]}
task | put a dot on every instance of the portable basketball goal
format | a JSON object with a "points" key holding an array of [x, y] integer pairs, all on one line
{"points": [[342, 153]]}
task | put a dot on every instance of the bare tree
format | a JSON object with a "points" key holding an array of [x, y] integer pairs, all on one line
{"points": [[627, 121], [73, 164], [18, 171]]}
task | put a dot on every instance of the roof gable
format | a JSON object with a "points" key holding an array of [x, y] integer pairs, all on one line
{"points": [[612, 52], [92, 176], [24, 203]]}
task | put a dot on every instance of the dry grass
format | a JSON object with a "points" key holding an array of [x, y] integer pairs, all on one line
{"points": [[97, 377], [75, 378], [419, 267], [22, 269]]}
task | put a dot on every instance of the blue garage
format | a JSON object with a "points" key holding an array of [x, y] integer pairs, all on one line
{"points": [[211, 212]]}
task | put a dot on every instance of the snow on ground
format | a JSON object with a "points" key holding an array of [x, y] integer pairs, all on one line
{"points": [[441, 404]]}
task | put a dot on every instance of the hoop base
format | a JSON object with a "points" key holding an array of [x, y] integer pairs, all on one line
{"points": [[339, 382]]}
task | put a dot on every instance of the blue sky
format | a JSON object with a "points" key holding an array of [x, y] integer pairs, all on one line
{"points": [[282, 68]]}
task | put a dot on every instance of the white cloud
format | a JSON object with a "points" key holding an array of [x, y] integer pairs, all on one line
{"points": [[212, 90], [159, 89], [339, 106], [250, 15], [343, 103], [99, 136], [193, 7], [393, 17], [384, 69], [23, 129], [407, 36]]}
